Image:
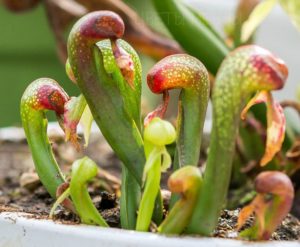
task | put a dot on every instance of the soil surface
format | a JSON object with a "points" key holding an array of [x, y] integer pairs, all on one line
{"points": [[21, 191]]}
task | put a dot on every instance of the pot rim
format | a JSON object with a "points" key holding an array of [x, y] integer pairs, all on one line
{"points": [[21, 229]]}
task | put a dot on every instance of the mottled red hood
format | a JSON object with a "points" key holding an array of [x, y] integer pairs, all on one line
{"points": [[101, 24]]}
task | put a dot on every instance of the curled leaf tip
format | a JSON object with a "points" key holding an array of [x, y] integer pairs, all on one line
{"points": [[276, 124]]}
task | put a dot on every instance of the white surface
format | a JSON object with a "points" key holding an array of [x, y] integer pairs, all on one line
{"points": [[16, 231]]}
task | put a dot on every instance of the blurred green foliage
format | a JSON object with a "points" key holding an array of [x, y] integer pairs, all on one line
{"points": [[27, 52]]}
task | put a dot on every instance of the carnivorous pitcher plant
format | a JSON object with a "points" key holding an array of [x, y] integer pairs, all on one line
{"points": [[107, 71]]}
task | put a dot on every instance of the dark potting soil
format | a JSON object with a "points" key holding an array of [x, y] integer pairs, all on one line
{"points": [[38, 203], [16, 168]]}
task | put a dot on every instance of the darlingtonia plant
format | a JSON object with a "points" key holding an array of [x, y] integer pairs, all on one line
{"points": [[107, 71], [259, 72], [274, 199], [188, 74], [109, 76], [246, 71], [42, 95]]}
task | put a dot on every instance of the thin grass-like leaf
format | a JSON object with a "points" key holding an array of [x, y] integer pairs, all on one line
{"points": [[258, 15], [292, 8]]}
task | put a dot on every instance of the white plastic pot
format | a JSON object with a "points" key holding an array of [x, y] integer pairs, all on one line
{"points": [[19, 230]]}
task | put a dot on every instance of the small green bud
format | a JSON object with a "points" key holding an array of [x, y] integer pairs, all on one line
{"points": [[159, 132], [87, 169]]}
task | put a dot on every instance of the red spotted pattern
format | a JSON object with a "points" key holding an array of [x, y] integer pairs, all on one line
{"points": [[51, 97], [177, 71], [274, 68]]}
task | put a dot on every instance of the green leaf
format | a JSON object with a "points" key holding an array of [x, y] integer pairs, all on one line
{"points": [[84, 170], [292, 8], [192, 32], [258, 15], [204, 21]]}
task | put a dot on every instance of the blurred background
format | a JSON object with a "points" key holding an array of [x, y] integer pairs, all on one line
{"points": [[28, 48]]}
